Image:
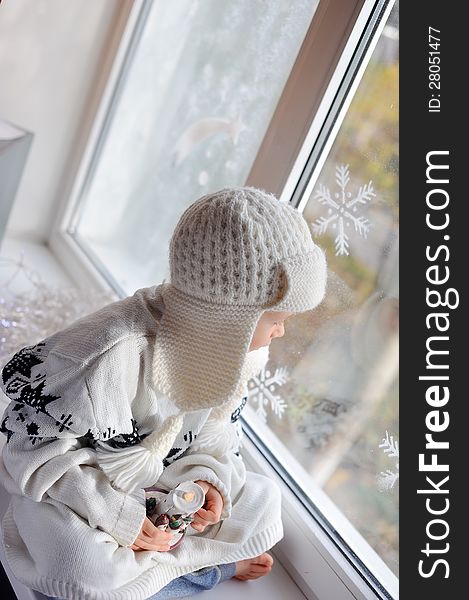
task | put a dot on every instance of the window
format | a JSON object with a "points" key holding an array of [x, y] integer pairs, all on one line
{"points": [[330, 390], [175, 125], [182, 123]]}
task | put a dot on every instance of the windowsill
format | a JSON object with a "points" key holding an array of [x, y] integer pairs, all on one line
{"points": [[37, 257], [277, 585]]}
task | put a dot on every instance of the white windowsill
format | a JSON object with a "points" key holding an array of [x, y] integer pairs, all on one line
{"points": [[276, 586], [37, 257]]}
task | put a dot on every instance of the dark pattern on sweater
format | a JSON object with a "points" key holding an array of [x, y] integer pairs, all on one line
{"points": [[176, 452], [27, 392], [237, 413], [16, 376], [4, 429], [124, 440], [22, 362]]}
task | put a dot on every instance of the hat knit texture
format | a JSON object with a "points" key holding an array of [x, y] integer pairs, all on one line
{"points": [[227, 246]]}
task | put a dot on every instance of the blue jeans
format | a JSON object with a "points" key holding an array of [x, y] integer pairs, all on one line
{"points": [[193, 583]]}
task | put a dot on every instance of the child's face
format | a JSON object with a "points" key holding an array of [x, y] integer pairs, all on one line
{"points": [[269, 326]]}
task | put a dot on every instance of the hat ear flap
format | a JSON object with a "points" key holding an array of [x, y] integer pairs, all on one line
{"points": [[303, 281]]}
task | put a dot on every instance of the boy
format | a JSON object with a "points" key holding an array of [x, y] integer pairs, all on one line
{"points": [[148, 390]]}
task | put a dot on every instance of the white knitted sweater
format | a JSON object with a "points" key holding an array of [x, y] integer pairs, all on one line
{"points": [[68, 529]]}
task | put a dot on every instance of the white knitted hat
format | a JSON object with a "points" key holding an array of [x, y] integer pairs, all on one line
{"points": [[234, 254]]}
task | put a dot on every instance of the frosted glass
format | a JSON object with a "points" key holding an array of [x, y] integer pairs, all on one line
{"points": [[197, 100]]}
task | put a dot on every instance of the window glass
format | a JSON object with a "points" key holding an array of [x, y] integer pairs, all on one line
{"points": [[198, 96], [330, 389]]}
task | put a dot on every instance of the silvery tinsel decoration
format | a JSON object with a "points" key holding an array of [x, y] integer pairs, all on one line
{"points": [[29, 316]]}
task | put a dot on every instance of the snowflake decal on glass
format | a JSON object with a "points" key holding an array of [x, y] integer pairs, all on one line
{"points": [[388, 478], [261, 392], [341, 209]]}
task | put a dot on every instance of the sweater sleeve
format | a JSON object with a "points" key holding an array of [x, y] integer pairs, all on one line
{"points": [[49, 423]]}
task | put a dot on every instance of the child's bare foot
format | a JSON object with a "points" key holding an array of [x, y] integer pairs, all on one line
{"points": [[252, 568]]}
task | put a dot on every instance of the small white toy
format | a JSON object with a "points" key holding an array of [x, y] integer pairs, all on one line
{"points": [[174, 510]]}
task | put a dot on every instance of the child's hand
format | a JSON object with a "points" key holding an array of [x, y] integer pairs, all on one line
{"points": [[151, 538], [213, 507]]}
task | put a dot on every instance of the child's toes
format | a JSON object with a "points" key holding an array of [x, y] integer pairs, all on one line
{"points": [[260, 571], [265, 560], [261, 567]]}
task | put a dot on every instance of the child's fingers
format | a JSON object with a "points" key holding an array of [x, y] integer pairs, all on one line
{"points": [[205, 519], [151, 533], [156, 535], [152, 538], [144, 545], [214, 505], [260, 568], [208, 516], [204, 513], [199, 523], [147, 526], [150, 529]]}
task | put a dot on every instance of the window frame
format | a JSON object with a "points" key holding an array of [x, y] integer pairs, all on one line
{"points": [[296, 128]]}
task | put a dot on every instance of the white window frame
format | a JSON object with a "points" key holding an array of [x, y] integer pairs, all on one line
{"points": [[321, 569]]}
